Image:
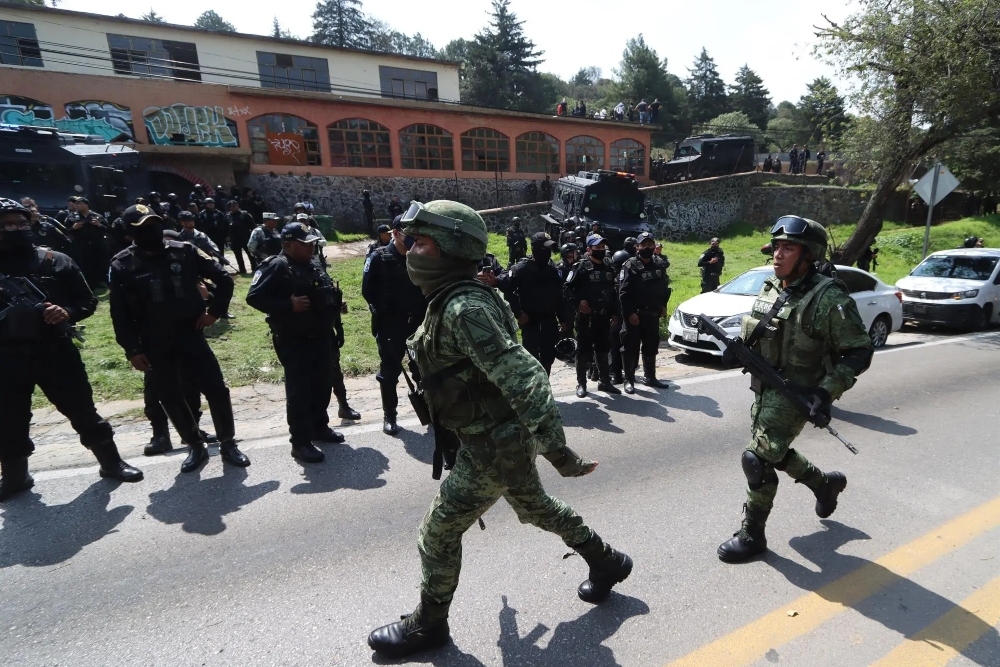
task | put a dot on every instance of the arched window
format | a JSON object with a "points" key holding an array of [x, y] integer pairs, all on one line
{"points": [[584, 154], [537, 153], [426, 147], [628, 155], [361, 143], [281, 139], [484, 149]]}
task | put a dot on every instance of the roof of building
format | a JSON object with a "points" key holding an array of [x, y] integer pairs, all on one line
{"points": [[234, 35]]}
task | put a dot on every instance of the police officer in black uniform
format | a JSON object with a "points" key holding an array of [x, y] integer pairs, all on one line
{"points": [[48, 233], [303, 311], [533, 287], [644, 292], [711, 263], [265, 240], [491, 272], [383, 237], [397, 307], [214, 224], [617, 341], [590, 291], [159, 313], [36, 350], [517, 242], [89, 233], [241, 225]]}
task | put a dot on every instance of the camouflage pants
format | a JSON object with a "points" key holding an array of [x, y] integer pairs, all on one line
{"points": [[776, 424], [470, 489]]}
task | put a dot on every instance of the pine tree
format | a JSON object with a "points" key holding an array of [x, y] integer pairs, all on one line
{"points": [[500, 65], [749, 96], [209, 20], [340, 23], [152, 17], [705, 89], [822, 109]]}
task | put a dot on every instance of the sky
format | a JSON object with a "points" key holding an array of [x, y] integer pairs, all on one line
{"points": [[774, 37]]}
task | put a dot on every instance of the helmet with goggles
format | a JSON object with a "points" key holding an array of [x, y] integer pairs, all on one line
{"points": [[456, 228], [805, 232]]}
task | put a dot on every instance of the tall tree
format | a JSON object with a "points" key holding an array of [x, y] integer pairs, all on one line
{"points": [[822, 108], [152, 17], [705, 90], [501, 65], [383, 37], [209, 20], [642, 75], [457, 50], [341, 23], [927, 72], [586, 76], [279, 32], [749, 96], [735, 122]]}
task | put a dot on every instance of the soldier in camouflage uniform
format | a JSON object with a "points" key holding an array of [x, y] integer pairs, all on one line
{"points": [[484, 388], [807, 326]]}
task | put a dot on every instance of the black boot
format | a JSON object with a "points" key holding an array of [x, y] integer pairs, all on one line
{"points": [[160, 442], [630, 385], [607, 568], [748, 541], [197, 455], [603, 374], [649, 372], [425, 629], [827, 492], [111, 463], [329, 435], [308, 453], [389, 403], [231, 454], [581, 381], [347, 412], [14, 477]]}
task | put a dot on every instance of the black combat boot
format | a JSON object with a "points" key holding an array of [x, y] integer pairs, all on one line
{"points": [[617, 377], [607, 568], [14, 477], [329, 435], [160, 442], [308, 453], [604, 383], [748, 541], [197, 455], [225, 429], [630, 385], [649, 374], [346, 411], [827, 491], [581, 382], [231, 454], [111, 462], [389, 403], [425, 629]]}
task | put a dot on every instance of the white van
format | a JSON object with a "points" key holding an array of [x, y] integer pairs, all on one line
{"points": [[958, 288]]}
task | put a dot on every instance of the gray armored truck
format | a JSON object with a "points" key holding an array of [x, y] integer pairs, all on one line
{"points": [[612, 199], [705, 156]]}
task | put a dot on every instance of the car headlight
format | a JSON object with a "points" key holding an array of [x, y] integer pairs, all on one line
{"points": [[968, 294], [732, 321], [676, 316]]}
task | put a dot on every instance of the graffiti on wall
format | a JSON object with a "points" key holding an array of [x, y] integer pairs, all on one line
{"points": [[285, 148], [183, 125], [107, 120]]}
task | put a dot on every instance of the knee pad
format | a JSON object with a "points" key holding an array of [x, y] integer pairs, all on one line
{"points": [[757, 470]]}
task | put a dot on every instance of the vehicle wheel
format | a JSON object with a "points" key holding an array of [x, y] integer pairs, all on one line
{"points": [[980, 320], [879, 331]]}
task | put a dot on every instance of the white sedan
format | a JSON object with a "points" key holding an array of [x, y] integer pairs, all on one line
{"points": [[880, 305]]}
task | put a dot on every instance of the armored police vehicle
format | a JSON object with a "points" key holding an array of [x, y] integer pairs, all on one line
{"points": [[610, 198], [706, 155]]}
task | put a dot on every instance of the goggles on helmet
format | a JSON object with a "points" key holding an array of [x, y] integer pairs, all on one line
{"points": [[417, 213], [789, 224]]}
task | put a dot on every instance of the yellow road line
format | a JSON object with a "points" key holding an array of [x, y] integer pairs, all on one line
{"points": [[749, 643], [952, 633]]}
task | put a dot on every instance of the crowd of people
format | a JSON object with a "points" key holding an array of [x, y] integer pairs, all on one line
{"points": [[798, 160], [645, 113]]}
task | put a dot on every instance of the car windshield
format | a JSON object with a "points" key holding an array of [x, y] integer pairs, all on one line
{"points": [[956, 266], [613, 202], [686, 151], [746, 284]]}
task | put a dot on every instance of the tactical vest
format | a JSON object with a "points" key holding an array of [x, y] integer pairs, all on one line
{"points": [[397, 296], [596, 285], [272, 242], [539, 287], [309, 280], [793, 342], [163, 288], [651, 284], [24, 324], [464, 401]]}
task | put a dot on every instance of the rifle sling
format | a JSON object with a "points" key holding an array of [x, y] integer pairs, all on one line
{"points": [[758, 330], [434, 381]]}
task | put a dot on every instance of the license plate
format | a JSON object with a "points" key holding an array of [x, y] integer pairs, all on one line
{"points": [[690, 335], [922, 310]]}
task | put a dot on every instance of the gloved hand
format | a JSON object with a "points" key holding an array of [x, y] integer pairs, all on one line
{"points": [[569, 464], [820, 404], [339, 336], [729, 357]]}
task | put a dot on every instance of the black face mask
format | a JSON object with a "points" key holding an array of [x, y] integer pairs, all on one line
{"points": [[149, 237], [645, 253], [598, 254], [542, 255], [17, 240]]}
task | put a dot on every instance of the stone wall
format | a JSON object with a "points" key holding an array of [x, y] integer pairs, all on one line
{"points": [[826, 204], [701, 209], [499, 219], [340, 196]]}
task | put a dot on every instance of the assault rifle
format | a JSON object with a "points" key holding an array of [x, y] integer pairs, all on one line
{"points": [[766, 374], [22, 293]]}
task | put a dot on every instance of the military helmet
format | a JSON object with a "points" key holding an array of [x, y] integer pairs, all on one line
{"points": [[568, 248], [619, 258], [456, 228], [12, 206], [970, 242], [566, 349], [807, 233]]}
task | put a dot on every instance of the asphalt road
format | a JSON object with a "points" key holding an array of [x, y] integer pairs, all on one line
{"points": [[288, 565]]}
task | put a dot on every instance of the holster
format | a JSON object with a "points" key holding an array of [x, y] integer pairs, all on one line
{"points": [[514, 451], [446, 444]]}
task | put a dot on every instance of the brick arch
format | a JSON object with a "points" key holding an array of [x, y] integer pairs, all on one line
{"points": [[485, 149], [359, 143], [628, 154], [538, 152], [426, 146], [276, 141], [584, 152]]}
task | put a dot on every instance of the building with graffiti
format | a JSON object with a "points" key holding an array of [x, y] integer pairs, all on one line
{"points": [[286, 117]]}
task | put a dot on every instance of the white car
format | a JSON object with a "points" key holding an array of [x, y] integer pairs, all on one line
{"points": [[954, 288], [880, 305]]}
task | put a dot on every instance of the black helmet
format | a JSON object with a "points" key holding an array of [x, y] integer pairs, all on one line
{"points": [[970, 242], [299, 205], [568, 248], [185, 215], [12, 206], [581, 231], [153, 195], [209, 200], [619, 258], [630, 245], [171, 197], [566, 349]]}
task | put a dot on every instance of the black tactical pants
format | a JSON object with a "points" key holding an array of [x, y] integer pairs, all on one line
{"points": [[94, 263], [336, 373], [308, 384], [616, 344], [645, 335], [180, 357], [709, 282], [391, 335], [593, 337], [154, 411], [239, 246], [55, 366], [539, 337], [514, 254]]}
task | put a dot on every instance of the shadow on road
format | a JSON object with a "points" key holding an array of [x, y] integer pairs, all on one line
{"points": [[419, 446], [200, 505], [449, 656], [872, 422], [926, 605], [40, 535], [574, 643], [588, 414], [628, 405], [345, 468]]}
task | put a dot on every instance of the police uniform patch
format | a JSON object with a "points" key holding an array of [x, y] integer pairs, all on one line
{"points": [[256, 277], [175, 267], [368, 263], [569, 276]]}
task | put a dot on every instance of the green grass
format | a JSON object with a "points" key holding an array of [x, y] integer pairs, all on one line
{"points": [[244, 347]]}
